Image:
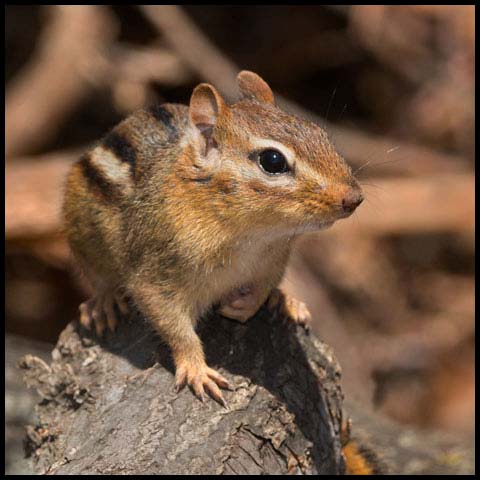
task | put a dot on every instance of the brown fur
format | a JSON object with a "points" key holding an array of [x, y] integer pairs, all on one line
{"points": [[197, 218]]}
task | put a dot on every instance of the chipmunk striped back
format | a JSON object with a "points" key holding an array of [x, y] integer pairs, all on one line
{"points": [[117, 163], [102, 183]]}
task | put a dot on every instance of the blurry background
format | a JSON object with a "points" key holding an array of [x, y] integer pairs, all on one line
{"points": [[391, 289]]}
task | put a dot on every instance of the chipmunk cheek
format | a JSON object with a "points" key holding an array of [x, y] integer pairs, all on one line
{"points": [[225, 184]]}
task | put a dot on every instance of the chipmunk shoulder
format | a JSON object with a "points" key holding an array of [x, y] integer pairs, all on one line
{"points": [[184, 209]]}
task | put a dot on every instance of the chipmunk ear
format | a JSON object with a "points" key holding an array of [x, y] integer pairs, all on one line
{"points": [[252, 86], [206, 106]]}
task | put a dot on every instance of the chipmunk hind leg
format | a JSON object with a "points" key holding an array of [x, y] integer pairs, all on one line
{"points": [[242, 303]]}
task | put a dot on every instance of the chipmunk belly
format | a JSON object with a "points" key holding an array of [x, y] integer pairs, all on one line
{"points": [[249, 264]]}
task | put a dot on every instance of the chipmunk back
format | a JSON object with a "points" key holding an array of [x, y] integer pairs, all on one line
{"points": [[186, 209]]}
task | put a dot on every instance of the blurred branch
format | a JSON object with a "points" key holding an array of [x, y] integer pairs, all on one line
{"points": [[383, 29], [387, 156], [133, 69], [416, 349], [193, 47], [58, 76], [432, 49], [196, 50], [325, 50], [33, 193], [443, 202], [76, 53], [148, 64]]}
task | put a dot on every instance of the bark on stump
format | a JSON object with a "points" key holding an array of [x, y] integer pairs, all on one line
{"points": [[109, 407]]}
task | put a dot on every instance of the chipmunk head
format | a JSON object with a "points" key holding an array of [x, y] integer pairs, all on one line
{"points": [[266, 164]]}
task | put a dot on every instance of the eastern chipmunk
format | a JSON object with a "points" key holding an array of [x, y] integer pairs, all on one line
{"points": [[188, 208], [360, 457], [362, 460]]}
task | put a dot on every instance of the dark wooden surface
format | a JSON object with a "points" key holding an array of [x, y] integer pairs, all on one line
{"points": [[110, 408]]}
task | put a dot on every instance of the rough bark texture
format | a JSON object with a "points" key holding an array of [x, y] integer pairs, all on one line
{"points": [[400, 449], [19, 401], [109, 408]]}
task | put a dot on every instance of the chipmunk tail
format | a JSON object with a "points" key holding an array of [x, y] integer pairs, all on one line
{"points": [[361, 460]]}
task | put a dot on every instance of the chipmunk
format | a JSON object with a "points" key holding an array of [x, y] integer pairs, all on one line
{"points": [[188, 208], [360, 457]]}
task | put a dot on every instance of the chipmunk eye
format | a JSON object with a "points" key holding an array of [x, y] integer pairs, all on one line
{"points": [[272, 161]]}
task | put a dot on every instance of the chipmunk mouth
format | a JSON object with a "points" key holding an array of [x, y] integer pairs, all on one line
{"points": [[344, 214], [316, 225]]}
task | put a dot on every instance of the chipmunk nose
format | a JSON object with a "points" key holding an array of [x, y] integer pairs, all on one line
{"points": [[352, 200]]}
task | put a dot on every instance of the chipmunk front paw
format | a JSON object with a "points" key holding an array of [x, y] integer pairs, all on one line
{"points": [[100, 311], [289, 307], [200, 376]]}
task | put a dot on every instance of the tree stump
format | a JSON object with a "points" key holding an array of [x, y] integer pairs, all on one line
{"points": [[109, 406]]}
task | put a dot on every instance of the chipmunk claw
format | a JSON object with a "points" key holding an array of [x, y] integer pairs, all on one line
{"points": [[91, 314], [100, 312], [121, 302], [201, 379], [290, 308], [180, 380]]}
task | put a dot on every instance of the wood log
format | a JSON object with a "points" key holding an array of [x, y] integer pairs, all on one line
{"points": [[402, 449], [110, 408], [101, 412], [19, 401]]}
